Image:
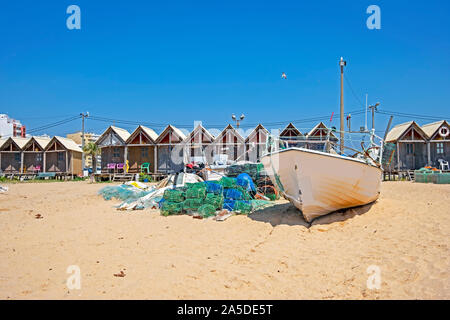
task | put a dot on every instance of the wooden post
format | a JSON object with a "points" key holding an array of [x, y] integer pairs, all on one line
{"points": [[21, 162], [155, 165], [428, 153], [44, 156], [398, 156], [0, 161], [67, 162], [125, 155]]}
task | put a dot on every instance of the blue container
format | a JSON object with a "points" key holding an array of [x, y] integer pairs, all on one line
{"points": [[234, 194], [228, 204]]}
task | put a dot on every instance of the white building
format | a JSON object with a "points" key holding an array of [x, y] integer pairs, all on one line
{"points": [[10, 127]]}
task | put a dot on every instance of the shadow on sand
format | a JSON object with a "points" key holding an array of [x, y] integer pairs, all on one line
{"points": [[287, 214]]}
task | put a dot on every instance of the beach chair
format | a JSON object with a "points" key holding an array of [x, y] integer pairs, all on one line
{"points": [[111, 166], [145, 167], [443, 164]]}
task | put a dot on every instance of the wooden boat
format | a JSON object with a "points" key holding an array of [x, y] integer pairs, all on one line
{"points": [[318, 183]]}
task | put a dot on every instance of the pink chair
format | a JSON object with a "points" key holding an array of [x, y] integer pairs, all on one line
{"points": [[111, 166], [120, 166], [37, 168]]}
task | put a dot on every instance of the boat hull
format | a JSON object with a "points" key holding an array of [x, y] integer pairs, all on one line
{"points": [[318, 183]]}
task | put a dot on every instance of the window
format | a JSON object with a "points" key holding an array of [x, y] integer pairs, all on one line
{"points": [[144, 152], [440, 148], [17, 157], [116, 153], [39, 157], [60, 156], [409, 148]]}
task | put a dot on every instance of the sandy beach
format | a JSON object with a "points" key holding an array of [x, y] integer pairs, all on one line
{"points": [[271, 254]]}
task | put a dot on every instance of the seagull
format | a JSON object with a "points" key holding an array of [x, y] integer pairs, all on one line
{"points": [[283, 75]]}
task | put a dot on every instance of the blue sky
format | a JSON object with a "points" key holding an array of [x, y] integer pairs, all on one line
{"points": [[181, 61]]}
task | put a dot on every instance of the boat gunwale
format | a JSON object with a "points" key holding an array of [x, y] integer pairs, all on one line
{"points": [[337, 156]]}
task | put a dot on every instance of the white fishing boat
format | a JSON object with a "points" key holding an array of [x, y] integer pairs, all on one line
{"points": [[318, 183]]}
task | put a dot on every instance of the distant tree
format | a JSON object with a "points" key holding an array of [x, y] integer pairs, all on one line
{"points": [[91, 149]]}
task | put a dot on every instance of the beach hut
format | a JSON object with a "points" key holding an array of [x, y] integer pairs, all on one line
{"points": [[62, 156], [170, 153], [198, 145], [411, 146], [11, 155], [112, 143], [255, 143], [292, 136], [34, 154], [317, 137], [438, 145], [141, 147], [231, 143]]}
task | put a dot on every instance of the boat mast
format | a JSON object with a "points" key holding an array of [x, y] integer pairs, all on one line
{"points": [[342, 64]]}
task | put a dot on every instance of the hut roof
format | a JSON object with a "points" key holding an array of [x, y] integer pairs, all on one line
{"points": [[21, 142], [177, 131], [227, 128], [291, 127], [69, 144], [258, 127], [41, 141], [122, 133], [431, 128], [200, 127], [319, 126], [397, 132], [149, 132]]}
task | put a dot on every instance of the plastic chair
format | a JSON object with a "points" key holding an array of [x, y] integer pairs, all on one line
{"points": [[145, 167], [120, 166], [443, 164], [111, 166]]}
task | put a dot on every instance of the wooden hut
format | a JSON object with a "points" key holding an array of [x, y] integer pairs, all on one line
{"points": [[411, 146], [317, 137], [112, 144], [198, 145], [255, 143], [11, 155], [438, 146], [292, 136], [62, 156], [34, 154], [141, 148], [231, 143], [170, 153]]}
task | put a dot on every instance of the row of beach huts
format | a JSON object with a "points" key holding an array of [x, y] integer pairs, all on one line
{"points": [[415, 147]]}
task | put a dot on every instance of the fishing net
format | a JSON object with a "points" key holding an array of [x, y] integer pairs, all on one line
{"points": [[171, 208], [215, 200], [242, 206], [123, 192], [173, 195], [228, 182], [207, 210], [192, 204], [214, 187], [196, 193]]}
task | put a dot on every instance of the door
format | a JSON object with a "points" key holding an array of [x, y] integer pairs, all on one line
{"points": [[410, 156]]}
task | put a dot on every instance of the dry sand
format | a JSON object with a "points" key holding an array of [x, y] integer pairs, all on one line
{"points": [[271, 254]]}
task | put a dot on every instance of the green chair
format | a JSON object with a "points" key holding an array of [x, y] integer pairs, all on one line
{"points": [[145, 167]]}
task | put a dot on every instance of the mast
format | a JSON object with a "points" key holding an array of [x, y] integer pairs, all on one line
{"points": [[342, 64]]}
